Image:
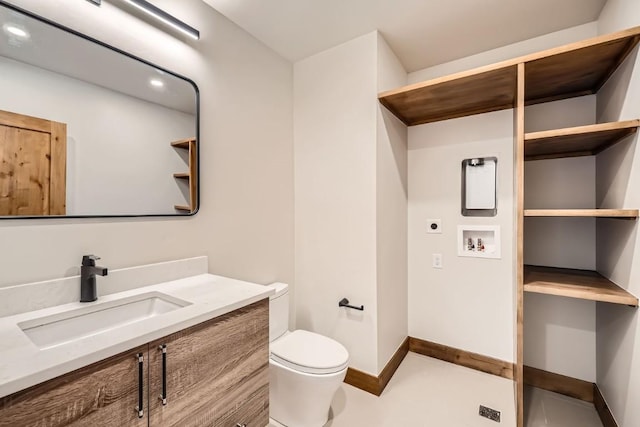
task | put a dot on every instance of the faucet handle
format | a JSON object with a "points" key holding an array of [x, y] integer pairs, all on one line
{"points": [[89, 260]]}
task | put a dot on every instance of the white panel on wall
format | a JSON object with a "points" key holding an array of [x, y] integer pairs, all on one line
{"points": [[479, 186]]}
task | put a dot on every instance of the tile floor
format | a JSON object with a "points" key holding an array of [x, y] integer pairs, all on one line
{"points": [[546, 409], [426, 392]]}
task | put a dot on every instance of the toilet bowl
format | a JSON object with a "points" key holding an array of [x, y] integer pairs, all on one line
{"points": [[305, 368]]}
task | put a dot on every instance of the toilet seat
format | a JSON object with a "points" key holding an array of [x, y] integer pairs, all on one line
{"points": [[309, 352]]}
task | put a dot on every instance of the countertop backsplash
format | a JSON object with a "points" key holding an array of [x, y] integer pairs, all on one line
{"points": [[37, 295]]}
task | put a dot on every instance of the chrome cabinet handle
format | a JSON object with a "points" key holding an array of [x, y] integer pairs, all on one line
{"points": [[241, 425], [163, 396], [140, 407]]}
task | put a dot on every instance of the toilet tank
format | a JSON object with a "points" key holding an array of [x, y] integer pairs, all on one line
{"points": [[278, 311]]}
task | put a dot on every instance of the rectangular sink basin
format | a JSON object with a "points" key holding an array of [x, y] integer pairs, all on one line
{"points": [[62, 328]]}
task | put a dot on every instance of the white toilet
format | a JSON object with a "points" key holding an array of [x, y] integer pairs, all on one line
{"points": [[305, 368]]}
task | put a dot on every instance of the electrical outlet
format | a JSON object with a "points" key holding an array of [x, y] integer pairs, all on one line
{"points": [[489, 413], [437, 261], [434, 226]]}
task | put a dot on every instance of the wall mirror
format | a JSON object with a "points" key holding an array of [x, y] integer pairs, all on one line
{"points": [[88, 130]]}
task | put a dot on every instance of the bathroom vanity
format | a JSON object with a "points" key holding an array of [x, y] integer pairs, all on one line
{"points": [[198, 356]]}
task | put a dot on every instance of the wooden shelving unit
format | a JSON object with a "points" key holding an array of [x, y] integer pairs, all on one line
{"points": [[183, 143], [576, 141], [589, 213], [573, 70], [191, 176], [582, 284]]}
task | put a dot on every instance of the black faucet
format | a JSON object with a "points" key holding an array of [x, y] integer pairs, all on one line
{"points": [[88, 271]]}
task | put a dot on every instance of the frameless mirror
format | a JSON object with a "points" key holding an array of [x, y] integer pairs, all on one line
{"points": [[88, 130]]}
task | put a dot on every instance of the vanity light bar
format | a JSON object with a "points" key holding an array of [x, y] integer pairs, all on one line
{"points": [[163, 16]]}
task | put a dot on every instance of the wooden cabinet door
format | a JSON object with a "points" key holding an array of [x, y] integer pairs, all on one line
{"points": [[216, 371], [103, 394], [32, 166]]}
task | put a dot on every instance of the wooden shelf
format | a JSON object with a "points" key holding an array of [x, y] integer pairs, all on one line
{"points": [[576, 141], [564, 72], [464, 94], [592, 213], [582, 284], [576, 69], [192, 176], [183, 143]]}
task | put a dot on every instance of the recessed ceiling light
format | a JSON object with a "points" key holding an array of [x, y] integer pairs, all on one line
{"points": [[15, 31], [156, 83]]}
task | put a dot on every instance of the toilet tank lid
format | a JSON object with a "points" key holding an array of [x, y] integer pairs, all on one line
{"points": [[280, 288]]}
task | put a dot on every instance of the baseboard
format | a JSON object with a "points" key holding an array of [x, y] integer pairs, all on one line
{"points": [[392, 365], [363, 381], [376, 384], [464, 358], [603, 409], [572, 387]]}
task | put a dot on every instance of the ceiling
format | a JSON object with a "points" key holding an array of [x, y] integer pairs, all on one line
{"points": [[422, 33]]}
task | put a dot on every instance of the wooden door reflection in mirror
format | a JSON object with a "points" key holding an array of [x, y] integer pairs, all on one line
{"points": [[32, 166]]}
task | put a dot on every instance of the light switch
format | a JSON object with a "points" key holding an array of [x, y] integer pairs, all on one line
{"points": [[437, 260]]}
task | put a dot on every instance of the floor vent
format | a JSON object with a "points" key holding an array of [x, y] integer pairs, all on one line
{"points": [[492, 414]]}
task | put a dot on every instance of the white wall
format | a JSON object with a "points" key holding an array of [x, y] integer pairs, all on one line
{"points": [[618, 175], [335, 196], [119, 157], [468, 304], [504, 53], [351, 200], [246, 216], [475, 295], [391, 205]]}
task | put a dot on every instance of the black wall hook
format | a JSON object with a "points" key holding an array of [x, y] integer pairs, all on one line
{"points": [[345, 303]]}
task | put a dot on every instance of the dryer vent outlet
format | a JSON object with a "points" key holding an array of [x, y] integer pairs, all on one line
{"points": [[492, 414]]}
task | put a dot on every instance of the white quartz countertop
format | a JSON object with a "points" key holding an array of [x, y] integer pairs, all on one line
{"points": [[23, 364]]}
